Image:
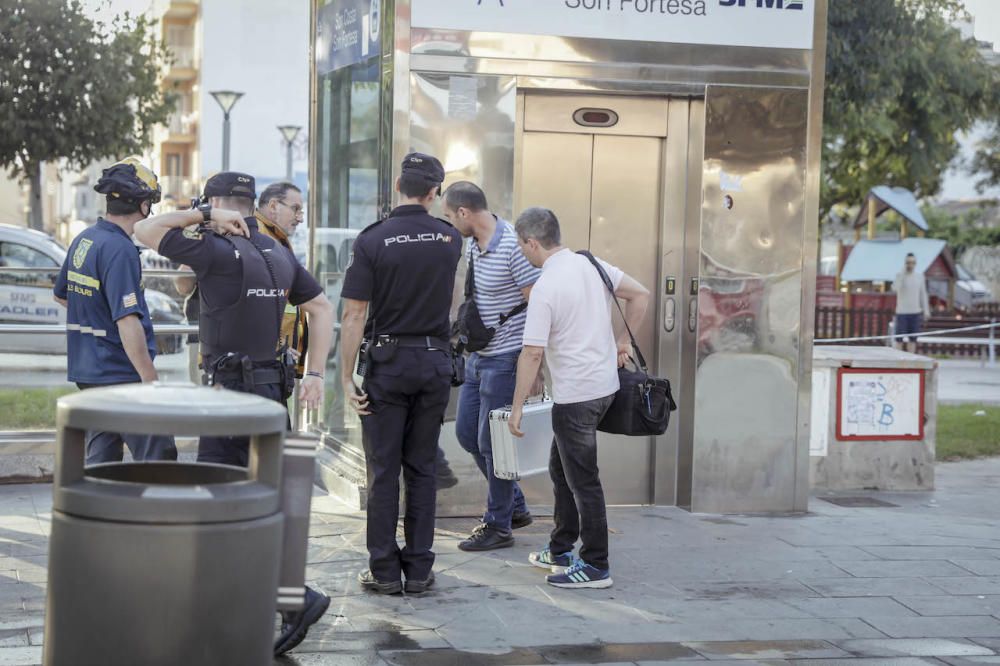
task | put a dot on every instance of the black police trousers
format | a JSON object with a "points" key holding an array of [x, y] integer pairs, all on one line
{"points": [[408, 395], [235, 450]]}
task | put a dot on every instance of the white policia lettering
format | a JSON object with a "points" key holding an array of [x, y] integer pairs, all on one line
{"points": [[266, 293], [682, 7], [418, 238]]}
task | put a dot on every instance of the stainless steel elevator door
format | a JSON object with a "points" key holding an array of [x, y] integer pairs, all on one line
{"points": [[606, 189]]}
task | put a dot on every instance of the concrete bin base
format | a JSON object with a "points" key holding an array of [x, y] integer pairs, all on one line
{"points": [[884, 452]]}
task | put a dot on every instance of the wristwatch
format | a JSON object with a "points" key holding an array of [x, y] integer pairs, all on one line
{"points": [[206, 212]]}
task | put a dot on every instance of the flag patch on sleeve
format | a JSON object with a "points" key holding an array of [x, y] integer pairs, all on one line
{"points": [[130, 300]]}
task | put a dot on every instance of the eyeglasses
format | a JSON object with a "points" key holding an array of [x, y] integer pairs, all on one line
{"points": [[296, 210]]}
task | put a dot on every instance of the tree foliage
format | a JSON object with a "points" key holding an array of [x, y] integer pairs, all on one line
{"points": [[901, 80], [75, 89], [961, 230], [986, 162]]}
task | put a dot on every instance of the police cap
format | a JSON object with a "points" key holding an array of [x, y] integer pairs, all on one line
{"points": [[129, 180], [231, 184], [423, 166]]}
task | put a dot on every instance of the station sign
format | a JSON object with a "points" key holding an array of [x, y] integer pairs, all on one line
{"points": [[347, 32], [784, 24]]}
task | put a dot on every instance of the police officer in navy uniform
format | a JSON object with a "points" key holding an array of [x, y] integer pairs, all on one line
{"points": [[245, 280], [109, 334], [397, 295]]}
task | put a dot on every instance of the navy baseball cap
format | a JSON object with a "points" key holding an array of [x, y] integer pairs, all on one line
{"points": [[425, 166], [231, 184]]}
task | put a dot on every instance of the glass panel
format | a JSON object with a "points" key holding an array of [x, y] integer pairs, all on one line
{"points": [[346, 175]]}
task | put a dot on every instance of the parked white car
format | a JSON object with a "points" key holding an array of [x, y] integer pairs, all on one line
{"points": [[26, 298]]}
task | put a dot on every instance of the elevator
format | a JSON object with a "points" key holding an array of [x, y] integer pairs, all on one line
{"points": [[683, 149]]}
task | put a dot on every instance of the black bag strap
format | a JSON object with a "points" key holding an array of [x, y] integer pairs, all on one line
{"points": [[611, 288], [470, 290]]}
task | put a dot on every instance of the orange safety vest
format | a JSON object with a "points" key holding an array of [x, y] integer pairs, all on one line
{"points": [[294, 333]]}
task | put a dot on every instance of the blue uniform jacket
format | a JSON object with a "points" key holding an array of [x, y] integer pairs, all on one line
{"points": [[101, 281]]}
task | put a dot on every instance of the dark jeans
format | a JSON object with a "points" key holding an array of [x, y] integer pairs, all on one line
{"points": [[408, 396], [234, 450], [104, 447], [579, 511], [909, 324], [489, 385]]}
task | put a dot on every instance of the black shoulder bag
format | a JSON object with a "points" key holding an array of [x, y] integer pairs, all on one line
{"points": [[643, 404], [469, 329]]}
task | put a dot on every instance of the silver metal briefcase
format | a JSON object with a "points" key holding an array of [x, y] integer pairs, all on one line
{"points": [[516, 458]]}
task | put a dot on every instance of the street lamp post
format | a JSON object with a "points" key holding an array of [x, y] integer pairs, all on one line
{"points": [[227, 100], [289, 132]]}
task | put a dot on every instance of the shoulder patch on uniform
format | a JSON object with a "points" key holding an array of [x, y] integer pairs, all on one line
{"points": [[81, 252], [371, 226], [193, 232]]}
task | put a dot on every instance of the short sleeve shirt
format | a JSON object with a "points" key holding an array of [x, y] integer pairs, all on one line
{"points": [[501, 272], [405, 267], [569, 314], [101, 280], [216, 264]]}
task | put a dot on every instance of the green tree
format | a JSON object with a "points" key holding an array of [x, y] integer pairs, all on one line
{"points": [[901, 81], [961, 231], [986, 161], [74, 89]]}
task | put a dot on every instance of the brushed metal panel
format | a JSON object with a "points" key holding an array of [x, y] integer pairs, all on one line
{"points": [[680, 243], [565, 189], [636, 116], [574, 57], [809, 257], [749, 300], [625, 231]]}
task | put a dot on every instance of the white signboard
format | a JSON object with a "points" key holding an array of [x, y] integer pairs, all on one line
{"points": [[880, 404], [784, 24]]}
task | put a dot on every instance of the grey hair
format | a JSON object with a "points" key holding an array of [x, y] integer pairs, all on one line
{"points": [[539, 224], [276, 190]]}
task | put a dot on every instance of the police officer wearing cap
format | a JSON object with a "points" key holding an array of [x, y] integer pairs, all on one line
{"points": [[397, 296], [109, 334], [245, 279]]}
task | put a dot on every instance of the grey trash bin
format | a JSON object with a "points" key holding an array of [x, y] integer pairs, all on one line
{"points": [[165, 563]]}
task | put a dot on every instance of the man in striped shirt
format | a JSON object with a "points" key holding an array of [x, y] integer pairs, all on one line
{"points": [[503, 279]]}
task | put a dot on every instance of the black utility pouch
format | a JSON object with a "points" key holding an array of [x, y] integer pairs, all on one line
{"points": [[383, 349], [363, 366], [457, 367]]}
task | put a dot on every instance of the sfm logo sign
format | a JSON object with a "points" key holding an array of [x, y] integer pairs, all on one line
{"points": [[762, 4]]}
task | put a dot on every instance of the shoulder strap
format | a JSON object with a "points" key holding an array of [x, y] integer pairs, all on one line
{"points": [[607, 283]]}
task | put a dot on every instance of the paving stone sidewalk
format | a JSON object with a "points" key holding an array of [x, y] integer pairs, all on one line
{"points": [[915, 582]]}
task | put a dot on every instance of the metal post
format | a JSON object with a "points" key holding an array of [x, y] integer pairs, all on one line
{"points": [[225, 142], [288, 162], [993, 347]]}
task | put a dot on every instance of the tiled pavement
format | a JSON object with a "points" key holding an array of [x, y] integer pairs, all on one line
{"points": [[918, 583]]}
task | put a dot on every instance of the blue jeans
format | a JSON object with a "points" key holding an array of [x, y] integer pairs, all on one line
{"points": [[489, 385]]}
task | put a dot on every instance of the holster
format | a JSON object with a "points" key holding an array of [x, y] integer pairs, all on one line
{"points": [[457, 367]]}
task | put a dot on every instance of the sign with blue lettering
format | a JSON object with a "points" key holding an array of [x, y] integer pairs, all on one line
{"points": [[877, 404], [784, 24], [347, 32]]}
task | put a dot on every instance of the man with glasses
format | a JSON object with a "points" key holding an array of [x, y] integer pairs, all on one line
{"points": [[279, 213], [912, 303]]}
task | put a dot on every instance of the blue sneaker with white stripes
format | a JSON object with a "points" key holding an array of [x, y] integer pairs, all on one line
{"points": [[544, 559], [581, 575]]}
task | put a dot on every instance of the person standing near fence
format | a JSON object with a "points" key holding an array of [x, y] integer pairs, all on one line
{"points": [[912, 304]]}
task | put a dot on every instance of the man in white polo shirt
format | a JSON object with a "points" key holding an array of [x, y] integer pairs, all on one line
{"points": [[502, 280], [569, 322]]}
